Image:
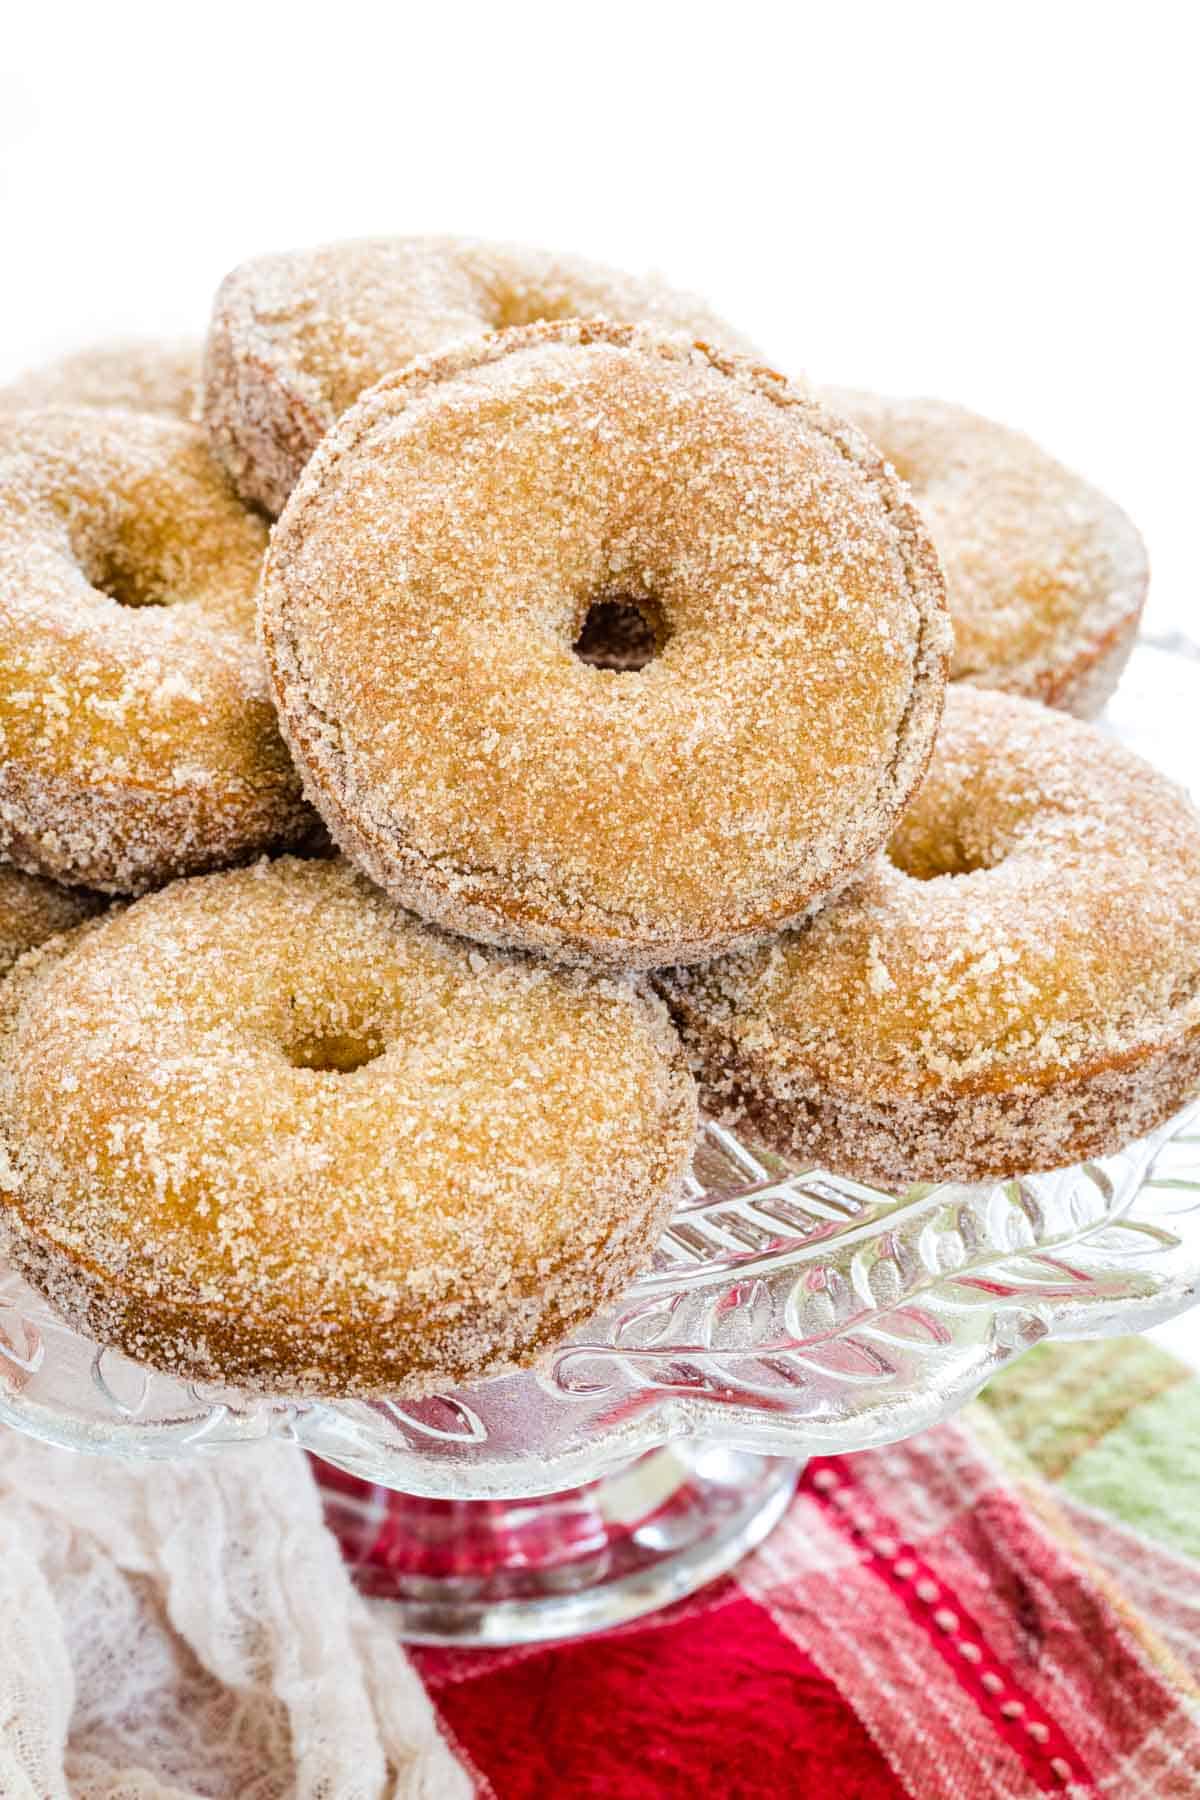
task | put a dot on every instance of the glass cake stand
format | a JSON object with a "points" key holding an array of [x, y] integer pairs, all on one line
{"points": [[788, 1312]]}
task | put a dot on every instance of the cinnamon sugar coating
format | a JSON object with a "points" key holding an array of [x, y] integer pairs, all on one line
{"points": [[140, 375], [264, 1128], [428, 580], [32, 910], [1045, 577], [1015, 987], [137, 736], [297, 336]]}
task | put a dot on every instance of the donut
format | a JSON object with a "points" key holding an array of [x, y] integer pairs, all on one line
{"points": [[142, 375], [1015, 987], [436, 563], [296, 337], [137, 736], [1045, 577], [263, 1128], [32, 910]]}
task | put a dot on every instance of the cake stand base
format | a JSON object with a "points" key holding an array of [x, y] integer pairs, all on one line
{"points": [[517, 1571]]}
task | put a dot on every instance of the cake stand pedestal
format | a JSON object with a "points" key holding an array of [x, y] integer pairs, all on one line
{"points": [[518, 1571]]}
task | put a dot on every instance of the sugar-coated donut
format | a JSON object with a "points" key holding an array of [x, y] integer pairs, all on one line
{"points": [[297, 336], [434, 567], [32, 910], [264, 1128], [142, 375], [1045, 577], [137, 737], [1017, 988]]}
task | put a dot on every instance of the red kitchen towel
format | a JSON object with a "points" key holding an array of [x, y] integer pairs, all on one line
{"points": [[1007, 1606]]}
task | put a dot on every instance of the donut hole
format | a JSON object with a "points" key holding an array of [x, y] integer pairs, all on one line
{"points": [[924, 858], [121, 579], [622, 634], [334, 1052], [510, 304]]}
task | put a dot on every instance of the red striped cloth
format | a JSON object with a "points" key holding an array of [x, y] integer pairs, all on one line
{"points": [[968, 1614]]}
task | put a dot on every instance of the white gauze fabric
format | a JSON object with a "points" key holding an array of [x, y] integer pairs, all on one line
{"points": [[186, 1631]]}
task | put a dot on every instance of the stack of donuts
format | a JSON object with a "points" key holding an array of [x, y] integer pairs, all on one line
{"points": [[471, 715]]}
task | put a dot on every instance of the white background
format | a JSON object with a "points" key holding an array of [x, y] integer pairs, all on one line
{"points": [[992, 203], [996, 204]]}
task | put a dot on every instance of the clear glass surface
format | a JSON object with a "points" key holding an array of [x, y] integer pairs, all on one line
{"points": [[515, 1571], [787, 1311]]}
